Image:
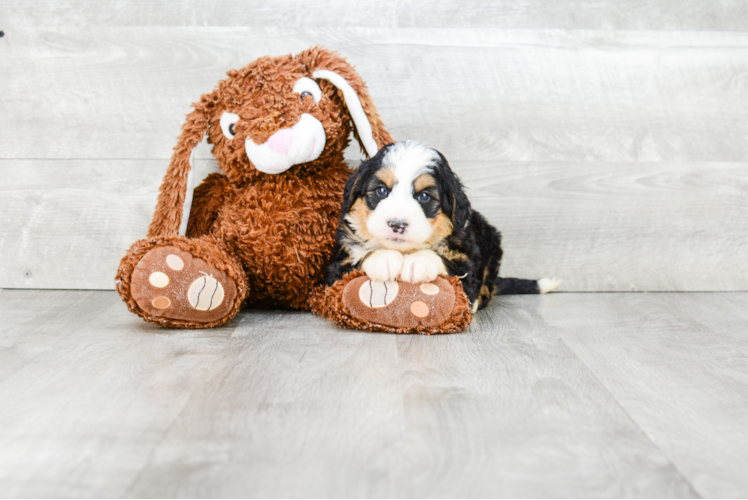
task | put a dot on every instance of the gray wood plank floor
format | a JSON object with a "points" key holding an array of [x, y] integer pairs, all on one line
{"points": [[580, 395]]}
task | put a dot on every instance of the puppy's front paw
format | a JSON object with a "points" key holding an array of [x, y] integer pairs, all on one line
{"points": [[383, 265], [422, 266]]}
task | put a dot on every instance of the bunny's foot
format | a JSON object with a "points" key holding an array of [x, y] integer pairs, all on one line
{"points": [[356, 301], [181, 283]]}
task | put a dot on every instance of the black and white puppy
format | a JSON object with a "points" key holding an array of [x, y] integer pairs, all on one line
{"points": [[406, 217]]}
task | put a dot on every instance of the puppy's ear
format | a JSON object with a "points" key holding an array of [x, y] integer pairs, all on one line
{"points": [[351, 192], [369, 130], [460, 209], [454, 201], [175, 196], [355, 186]]}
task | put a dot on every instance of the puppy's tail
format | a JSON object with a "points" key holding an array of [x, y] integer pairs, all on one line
{"points": [[516, 286]]}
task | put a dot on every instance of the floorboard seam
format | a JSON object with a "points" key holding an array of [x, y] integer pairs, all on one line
{"points": [[633, 421]]}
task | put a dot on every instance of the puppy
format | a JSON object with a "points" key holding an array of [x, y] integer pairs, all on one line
{"points": [[406, 217]]}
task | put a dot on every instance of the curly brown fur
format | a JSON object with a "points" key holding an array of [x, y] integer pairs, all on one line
{"points": [[278, 227], [209, 198]]}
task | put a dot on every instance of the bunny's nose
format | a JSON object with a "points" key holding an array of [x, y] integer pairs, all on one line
{"points": [[281, 141]]}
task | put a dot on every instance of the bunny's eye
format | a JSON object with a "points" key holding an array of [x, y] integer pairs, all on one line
{"points": [[307, 87], [228, 123]]}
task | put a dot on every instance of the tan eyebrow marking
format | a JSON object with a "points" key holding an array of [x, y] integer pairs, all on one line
{"points": [[423, 181], [387, 175]]}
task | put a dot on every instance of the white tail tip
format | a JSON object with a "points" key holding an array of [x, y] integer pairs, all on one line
{"points": [[546, 285]]}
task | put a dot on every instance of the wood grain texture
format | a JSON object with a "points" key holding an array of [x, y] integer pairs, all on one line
{"points": [[625, 227], [284, 404], [300, 408], [67, 223], [88, 403], [28, 334], [729, 322], [677, 365], [609, 227], [491, 409], [605, 139], [717, 15], [475, 94]]}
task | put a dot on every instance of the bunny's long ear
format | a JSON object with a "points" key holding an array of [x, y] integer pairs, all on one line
{"points": [[175, 197], [368, 127]]}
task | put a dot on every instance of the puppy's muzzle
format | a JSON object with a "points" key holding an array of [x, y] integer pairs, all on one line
{"points": [[397, 226]]}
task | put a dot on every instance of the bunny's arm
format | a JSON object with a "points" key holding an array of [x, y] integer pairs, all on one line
{"points": [[208, 200]]}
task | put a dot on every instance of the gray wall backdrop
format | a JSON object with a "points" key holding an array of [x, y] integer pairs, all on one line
{"points": [[608, 140]]}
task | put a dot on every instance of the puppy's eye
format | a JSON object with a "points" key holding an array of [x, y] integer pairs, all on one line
{"points": [[423, 196], [305, 94], [228, 124], [382, 191]]}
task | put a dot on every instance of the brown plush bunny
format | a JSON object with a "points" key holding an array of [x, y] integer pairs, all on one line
{"points": [[261, 232]]}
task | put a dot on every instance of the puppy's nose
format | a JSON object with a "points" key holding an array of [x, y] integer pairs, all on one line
{"points": [[397, 226]]}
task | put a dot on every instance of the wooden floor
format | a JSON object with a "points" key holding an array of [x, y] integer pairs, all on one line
{"points": [[563, 395]]}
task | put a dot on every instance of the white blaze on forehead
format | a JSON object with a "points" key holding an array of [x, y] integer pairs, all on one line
{"points": [[410, 159]]}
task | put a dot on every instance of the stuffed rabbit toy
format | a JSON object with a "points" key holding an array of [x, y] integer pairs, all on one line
{"points": [[262, 231]]}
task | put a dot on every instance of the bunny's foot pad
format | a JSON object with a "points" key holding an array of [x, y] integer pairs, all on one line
{"points": [[395, 306], [170, 282], [172, 287], [400, 304]]}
